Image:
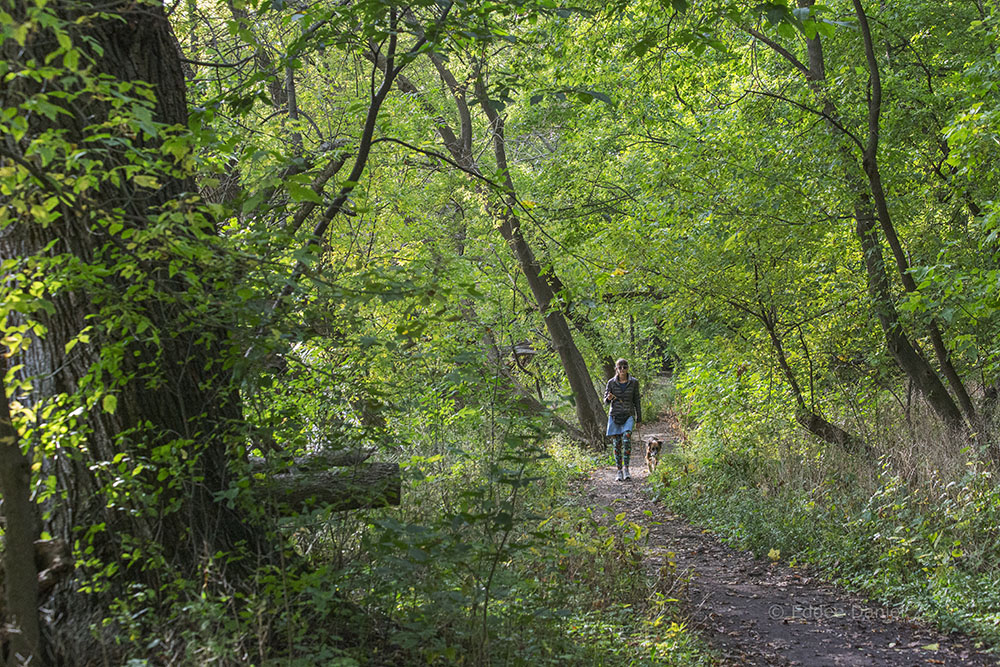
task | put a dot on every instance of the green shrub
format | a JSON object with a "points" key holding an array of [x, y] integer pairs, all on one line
{"points": [[924, 546]]}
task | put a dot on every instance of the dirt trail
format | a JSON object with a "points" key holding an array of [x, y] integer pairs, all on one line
{"points": [[760, 613]]}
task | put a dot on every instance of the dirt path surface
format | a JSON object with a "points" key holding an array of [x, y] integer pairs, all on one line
{"points": [[760, 613]]}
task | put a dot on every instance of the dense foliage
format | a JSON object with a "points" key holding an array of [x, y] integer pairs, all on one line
{"points": [[238, 235]]}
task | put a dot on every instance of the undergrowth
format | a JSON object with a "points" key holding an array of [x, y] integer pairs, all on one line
{"points": [[488, 578], [915, 527], [490, 560]]}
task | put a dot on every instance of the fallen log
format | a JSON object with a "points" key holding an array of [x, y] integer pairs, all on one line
{"points": [[318, 460], [364, 486]]}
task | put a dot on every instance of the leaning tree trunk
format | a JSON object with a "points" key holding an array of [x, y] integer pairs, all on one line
{"points": [[150, 381], [806, 416], [589, 409], [871, 168], [906, 355], [582, 324], [903, 350]]}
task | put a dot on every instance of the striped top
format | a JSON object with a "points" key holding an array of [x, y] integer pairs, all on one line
{"points": [[626, 397]]}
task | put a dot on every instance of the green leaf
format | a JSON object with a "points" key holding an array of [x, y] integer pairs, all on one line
{"points": [[597, 95], [110, 403], [302, 193]]}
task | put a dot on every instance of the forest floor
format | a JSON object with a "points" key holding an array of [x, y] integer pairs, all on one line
{"points": [[756, 612]]}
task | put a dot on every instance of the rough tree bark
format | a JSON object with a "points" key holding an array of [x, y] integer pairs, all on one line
{"points": [[187, 394]]}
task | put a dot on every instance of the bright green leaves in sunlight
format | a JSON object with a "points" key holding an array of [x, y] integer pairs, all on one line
{"points": [[789, 19], [313, 240], [583, 95]]}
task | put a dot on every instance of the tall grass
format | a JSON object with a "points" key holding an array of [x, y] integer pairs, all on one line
{"points": [[915, 526]]}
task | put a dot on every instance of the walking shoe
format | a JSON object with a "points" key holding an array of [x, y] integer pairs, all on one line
{"points": [[620, 478], [627, 476]]}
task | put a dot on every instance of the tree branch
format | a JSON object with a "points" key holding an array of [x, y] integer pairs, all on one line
{"points": [[822, 114], [204, 63], [777, 48]]}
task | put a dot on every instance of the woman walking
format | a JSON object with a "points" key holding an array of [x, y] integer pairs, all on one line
{"points": [[625, 414]]}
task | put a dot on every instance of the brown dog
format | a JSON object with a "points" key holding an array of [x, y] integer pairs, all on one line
{"points": [[653, 447]]}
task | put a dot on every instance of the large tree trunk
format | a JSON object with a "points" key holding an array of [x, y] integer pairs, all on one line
{"points": [[589, 410], [164, 399]]}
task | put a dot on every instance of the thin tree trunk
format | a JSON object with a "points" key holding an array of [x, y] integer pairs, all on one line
{"points": [[293, 109], [814, 51], [871, 168], [20, 533], [903, 351], [263, 62], [804, 415]]}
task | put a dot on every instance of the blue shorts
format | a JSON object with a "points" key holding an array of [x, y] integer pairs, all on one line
{"points": [[615, 429]]}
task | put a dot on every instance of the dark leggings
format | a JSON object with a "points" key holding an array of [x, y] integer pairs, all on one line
{"points": [[623, 445]]}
